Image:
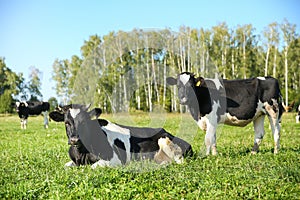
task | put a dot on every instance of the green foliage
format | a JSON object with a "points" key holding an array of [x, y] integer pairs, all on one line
{"points": [[32, 165], [6, 102], [34, 84], [61, 75], [53, 103], [90, 45], [10, 85], [124, 71]]}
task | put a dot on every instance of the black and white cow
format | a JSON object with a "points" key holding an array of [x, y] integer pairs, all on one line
{"points": [[298, 115], [25, 109], [232, 102], [102, 143]]}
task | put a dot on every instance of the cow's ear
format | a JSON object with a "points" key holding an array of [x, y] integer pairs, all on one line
{"points": [[171, 81], [199, 81], [95, 112], [57, 116]]}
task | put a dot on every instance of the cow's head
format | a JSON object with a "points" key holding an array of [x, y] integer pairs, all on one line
{"points": [[168, 152], [73, 116], [186, 83], [20, 105]]}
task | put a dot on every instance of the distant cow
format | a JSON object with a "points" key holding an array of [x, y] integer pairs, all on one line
{"points": [[288, 108], [232, 102], [102, 143], [298, 115], [25, 109]]}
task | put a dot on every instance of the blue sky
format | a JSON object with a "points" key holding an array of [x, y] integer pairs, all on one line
{"points": [[35, 33]]}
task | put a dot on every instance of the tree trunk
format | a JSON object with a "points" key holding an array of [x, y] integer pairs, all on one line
{"points": [[137, 75], [154, 76], [267, 61], [188, 51], [164, 82], [274, 63], [174, 99], [286, 76], [149, 86], [232, 64], [124, 101], [244, 56]]}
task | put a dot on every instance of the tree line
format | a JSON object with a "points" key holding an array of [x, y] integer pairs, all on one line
{"points": [[124, 71]]}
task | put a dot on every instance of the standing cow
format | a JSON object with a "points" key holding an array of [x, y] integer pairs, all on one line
{"points": [[25, 109], [232, 102], [298, 115], [103, 143]]}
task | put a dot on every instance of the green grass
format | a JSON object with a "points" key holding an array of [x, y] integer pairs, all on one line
{"points": [[32, 164]]}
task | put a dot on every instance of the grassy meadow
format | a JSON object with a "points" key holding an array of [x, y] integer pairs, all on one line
{"points": [[32, 164]]}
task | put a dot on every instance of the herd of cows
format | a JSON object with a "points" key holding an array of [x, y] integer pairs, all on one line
{"points": [[99, 142]]}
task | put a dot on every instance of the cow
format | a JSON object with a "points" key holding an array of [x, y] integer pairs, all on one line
{"points": [[298, 115], [231, 102], [100, 142], [25, 109], [288, 108]]}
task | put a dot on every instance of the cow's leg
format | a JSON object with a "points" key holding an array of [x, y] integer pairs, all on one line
{"points": [[210, 139], [101, 163], [275, 126], [259, 132], [273, 115], [209, 125], [25, 123]]}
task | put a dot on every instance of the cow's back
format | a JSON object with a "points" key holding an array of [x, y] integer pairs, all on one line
{"points": [[36, 108], [241, 97]]}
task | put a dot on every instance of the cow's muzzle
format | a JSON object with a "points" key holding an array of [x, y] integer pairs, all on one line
{"points": [[74, 141]]}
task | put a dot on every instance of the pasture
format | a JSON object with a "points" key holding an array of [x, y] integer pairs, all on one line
{"points": [[32, 164]]}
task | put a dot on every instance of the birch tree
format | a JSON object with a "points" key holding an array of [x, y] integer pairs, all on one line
{"points": [[35, 84], [271, 36], [220, 44], [61, 76], [288, 31], [131, 67]]}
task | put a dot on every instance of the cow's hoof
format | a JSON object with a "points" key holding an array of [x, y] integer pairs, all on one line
{"points": [[253, 152], [214, 151]]}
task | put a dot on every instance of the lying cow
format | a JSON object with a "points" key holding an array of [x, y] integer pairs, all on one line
{"points": [[25, 109], [102, 143], [232, 102]]}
